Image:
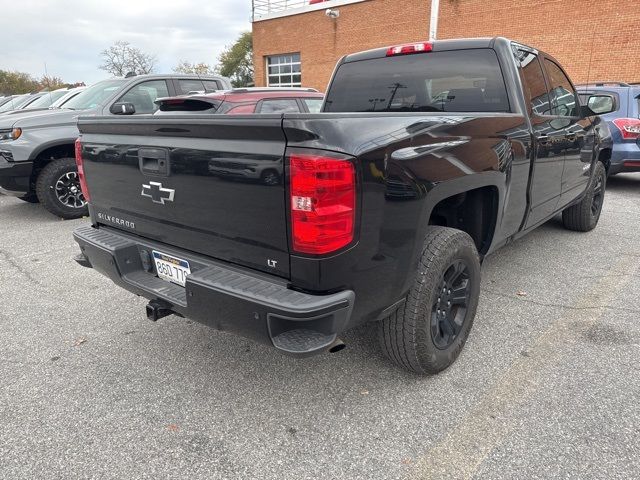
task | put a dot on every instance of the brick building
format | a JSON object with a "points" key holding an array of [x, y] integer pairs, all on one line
{"points": [[296, 43]]}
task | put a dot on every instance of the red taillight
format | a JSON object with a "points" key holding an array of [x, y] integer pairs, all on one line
{"points": [[323, 203], [629, 128], [409, 48], [81, 177]]}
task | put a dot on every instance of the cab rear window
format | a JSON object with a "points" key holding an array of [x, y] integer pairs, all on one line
{"points": [[449, 81]]}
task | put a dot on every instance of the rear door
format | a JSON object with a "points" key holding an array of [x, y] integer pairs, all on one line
{"points": [[212, 185], [546, 173]]}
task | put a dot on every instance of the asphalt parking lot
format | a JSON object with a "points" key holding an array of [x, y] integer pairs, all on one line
{"points": [[547, 386]]}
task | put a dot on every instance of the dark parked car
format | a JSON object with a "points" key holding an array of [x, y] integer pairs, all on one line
{"points": [[389, 200], [37, 147], [624, 120]]}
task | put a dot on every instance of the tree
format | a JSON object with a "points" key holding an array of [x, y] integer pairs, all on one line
{"points": [[13, 83], [52, 83], [236, 61], [122, 58], [193, 68]]}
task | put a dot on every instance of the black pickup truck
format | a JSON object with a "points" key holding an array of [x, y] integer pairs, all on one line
{"points": [[423, 161]]}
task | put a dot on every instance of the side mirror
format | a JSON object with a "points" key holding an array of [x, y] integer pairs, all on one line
{"points": [[600, 104], [123, 108]]}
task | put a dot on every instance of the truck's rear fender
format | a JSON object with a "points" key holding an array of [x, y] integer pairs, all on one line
{"points": [[470, 206], [409, 163]]}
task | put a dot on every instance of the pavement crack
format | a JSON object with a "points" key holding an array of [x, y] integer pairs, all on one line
{"points": [[545, 304], [614, 275], [9, 259], [621, 309]]}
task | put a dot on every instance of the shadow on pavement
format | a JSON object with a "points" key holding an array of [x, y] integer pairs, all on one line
{"points": [[13, 208], [625, 183]]}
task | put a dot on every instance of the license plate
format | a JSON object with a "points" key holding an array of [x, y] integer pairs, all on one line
{"points": [[171, 269]]}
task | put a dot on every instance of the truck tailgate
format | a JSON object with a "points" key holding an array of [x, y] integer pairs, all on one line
{"points": [[213, 185]]}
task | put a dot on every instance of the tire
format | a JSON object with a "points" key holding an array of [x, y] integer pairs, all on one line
{"points": [[415, 336], [58, 178], [584, 216], [30, 198]]}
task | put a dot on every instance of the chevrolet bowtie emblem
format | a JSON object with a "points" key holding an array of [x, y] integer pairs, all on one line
{"points": [[157, 193]]}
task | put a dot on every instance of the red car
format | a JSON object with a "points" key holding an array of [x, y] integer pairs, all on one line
{"points": [[241, 101], [245, 101]]}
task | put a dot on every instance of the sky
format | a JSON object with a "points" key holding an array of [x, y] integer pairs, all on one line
{"points": [[69, 35]]}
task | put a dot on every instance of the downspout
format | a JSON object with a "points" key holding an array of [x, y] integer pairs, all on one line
{"points": [[433, 26]]}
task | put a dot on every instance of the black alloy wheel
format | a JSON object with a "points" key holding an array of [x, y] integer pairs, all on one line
{"points": [[427, 332], [58, 189], [69, 192], [598, 196], [450, 306]]}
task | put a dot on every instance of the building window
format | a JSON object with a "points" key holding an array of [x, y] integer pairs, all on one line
{"points": [[284, 70]]}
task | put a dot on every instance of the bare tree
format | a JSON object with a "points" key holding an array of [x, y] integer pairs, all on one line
{"points": [[194, 68], [122, 58]]}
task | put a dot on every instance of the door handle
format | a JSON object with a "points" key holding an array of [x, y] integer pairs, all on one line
{"points": [[154, 161]]}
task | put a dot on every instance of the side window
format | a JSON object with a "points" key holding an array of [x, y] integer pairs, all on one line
{"points": [[279, 105], [563, 97], [242, 109], [534, 84], [186, 85], [211, 85], [313, 104], [144, 94]]}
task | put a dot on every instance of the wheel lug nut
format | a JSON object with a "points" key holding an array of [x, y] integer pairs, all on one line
{"points": [[448, 304]]}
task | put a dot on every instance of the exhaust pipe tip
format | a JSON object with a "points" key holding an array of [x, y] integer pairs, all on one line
{"points": [[336, 346]]}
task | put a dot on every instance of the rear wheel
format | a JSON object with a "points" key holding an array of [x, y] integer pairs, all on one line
{"points": [[584, 216], [58, 189], [426, 335]]}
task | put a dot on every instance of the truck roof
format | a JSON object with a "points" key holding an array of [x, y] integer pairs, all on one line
{"points": [[437, 45], [172, 75]]}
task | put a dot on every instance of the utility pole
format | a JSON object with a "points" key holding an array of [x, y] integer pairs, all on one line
{"points": [[433, 26]]}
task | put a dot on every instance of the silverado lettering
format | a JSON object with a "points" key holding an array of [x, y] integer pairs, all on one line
{"points": [[116, 221]]}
